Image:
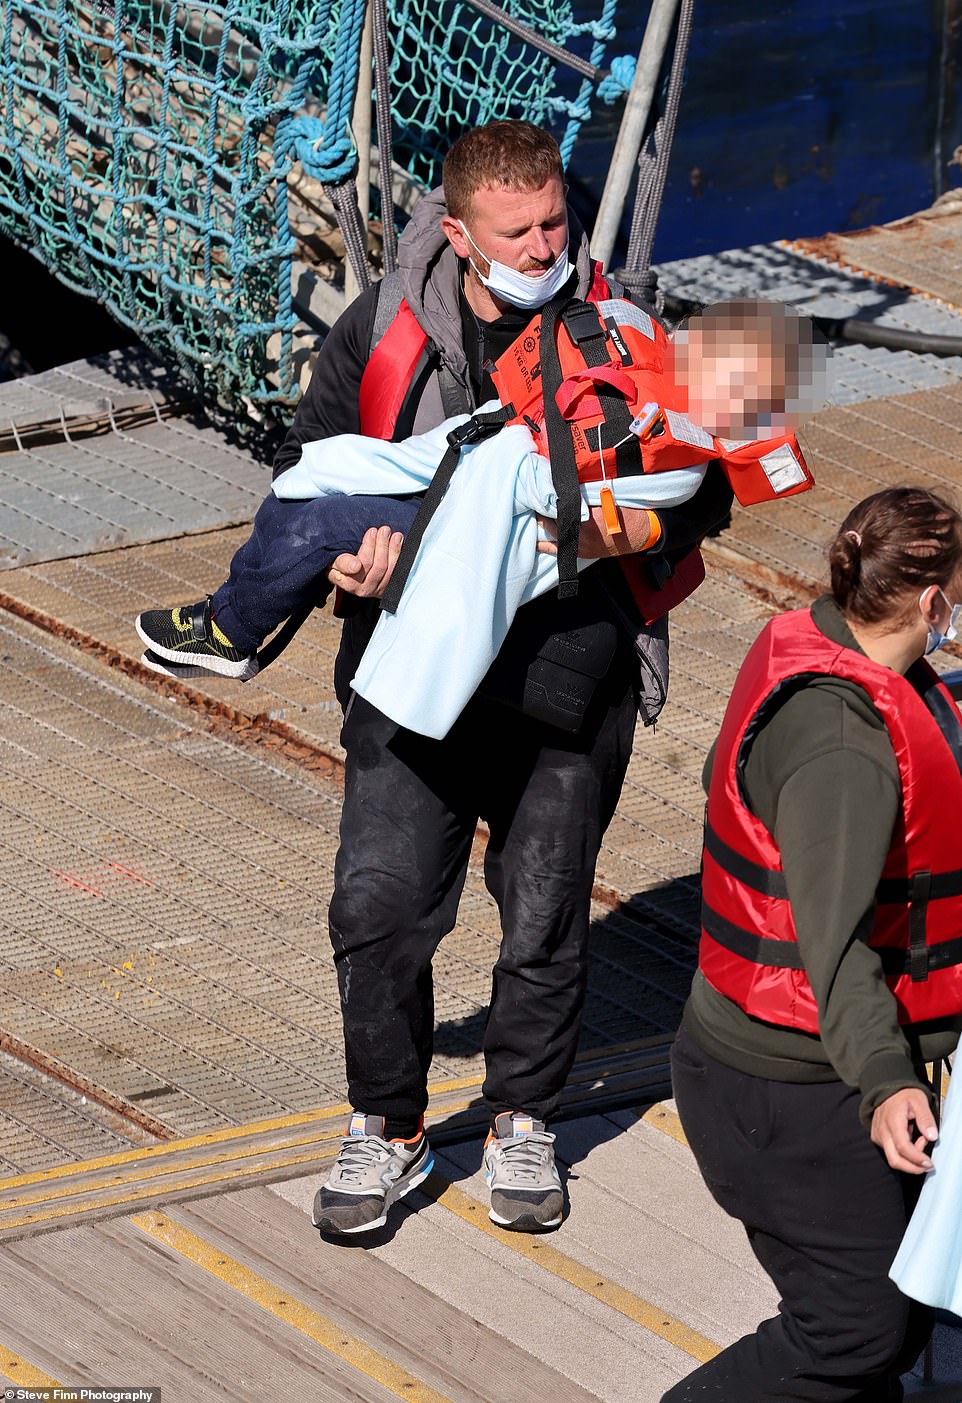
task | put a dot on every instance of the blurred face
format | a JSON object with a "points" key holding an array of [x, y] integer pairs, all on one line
{"points": [[525, 229], [735, 386]]}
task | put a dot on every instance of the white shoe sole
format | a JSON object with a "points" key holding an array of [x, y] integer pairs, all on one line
{"points": [[241, 671], [399, 1191], [527, 1222]]}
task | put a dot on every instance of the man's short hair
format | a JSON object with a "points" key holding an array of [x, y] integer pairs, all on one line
{"points": [[500, 156]]}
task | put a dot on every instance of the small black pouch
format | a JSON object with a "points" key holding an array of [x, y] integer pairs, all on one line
{"points": [[555, 656]]}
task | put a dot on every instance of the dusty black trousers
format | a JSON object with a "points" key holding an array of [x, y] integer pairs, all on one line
{"points": [[410, 809], [824, 1215]]}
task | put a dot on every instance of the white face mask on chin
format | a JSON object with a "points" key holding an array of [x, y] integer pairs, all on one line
{"points": [[520, 289]]}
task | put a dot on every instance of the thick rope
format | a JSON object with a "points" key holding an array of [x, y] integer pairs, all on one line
{"points": [[344, 199], [385, 149], [653, 161]]}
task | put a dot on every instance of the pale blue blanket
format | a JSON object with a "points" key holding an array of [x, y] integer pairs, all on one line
{"points": [[478, 562], [928, 1266]]}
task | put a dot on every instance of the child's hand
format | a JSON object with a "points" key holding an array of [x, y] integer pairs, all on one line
{"points": [[594, 542], [366, 574]]}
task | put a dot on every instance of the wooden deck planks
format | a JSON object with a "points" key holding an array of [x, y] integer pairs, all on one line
{"points": [[641, 1216], [107, 1303]]}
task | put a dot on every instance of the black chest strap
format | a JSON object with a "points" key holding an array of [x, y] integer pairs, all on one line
{"points": [[474, 430]]}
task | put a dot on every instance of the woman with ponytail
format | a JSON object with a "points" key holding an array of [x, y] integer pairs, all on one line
{"points": [[830, 964]]}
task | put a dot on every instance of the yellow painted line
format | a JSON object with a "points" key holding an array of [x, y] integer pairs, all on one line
{"points": [[274, 1158], [234, 1132], [18, 1371], [58, 1191], [535, 1249], [134, 1195], [212, 1137], [661, 1118], [169, 1147], [270, 1297]]}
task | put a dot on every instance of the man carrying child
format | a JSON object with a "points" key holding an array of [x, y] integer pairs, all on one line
{"points": [[478, 260]]}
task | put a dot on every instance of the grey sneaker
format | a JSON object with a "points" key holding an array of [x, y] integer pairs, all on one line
{"points": [[521, 1173], [369, 1174]]}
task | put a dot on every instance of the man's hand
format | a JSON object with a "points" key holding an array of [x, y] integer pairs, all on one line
{"points": [[594, 541], [366, 574], [892, 1130]]}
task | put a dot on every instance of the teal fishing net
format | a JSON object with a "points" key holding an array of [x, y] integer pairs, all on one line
{"points": [[147, 147]]}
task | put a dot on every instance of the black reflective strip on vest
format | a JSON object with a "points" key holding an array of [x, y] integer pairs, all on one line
{"points": [[782, 954], [897, 891], [750, 874], [777, 954], [561, 453], [943, 955]]}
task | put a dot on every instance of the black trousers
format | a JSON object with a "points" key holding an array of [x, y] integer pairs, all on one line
{"points": [[824, 1215], [410, 809]]}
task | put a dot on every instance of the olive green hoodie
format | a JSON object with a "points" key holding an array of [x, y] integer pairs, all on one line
{"points": [[822, 777]]}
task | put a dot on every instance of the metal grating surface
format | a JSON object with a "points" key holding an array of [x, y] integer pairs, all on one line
{"points": [[158, 480], [85, 388], [164, 894], [854, 450], [43, 1122], [99, 596], [923, 251], [821, 287], [178, 880]]}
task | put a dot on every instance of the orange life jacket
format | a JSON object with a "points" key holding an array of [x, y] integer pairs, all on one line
{"points": [[630, 372], [397, 366], [748, 948]]}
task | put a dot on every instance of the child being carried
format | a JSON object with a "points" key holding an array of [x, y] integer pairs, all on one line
{"points": [[643, 426]]}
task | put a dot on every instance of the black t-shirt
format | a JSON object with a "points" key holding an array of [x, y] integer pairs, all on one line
{"points": [[485, 342]]}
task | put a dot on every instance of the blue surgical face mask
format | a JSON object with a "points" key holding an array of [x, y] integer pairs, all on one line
{"points": [[936, 638], [520, 289]]}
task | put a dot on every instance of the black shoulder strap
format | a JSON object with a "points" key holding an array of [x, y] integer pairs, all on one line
{"points": [[561, 449], [479, 427], [282, 637], [584, 324]]}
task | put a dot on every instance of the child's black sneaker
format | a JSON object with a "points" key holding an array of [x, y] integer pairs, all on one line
{"points": [[186, 672], [190, 636]]}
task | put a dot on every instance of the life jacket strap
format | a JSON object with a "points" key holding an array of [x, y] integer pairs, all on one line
{"points": [[765, 880], [920, 889], [561, 449], [473, 430], [918, 961], [760, 949]]}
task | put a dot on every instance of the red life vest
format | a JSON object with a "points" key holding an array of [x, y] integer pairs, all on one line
{"points": [[397, 358], [391, 367], [748, 948], [400, 357]]}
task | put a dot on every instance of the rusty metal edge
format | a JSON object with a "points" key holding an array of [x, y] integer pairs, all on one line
{"points": [[68, 1076], [227, 721]]}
